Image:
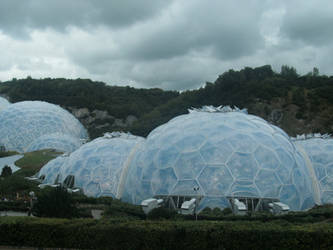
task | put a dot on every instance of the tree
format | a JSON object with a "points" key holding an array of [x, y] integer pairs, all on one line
{"points": [[288, 72], [6, 171], [55, 202], [315, 71]]}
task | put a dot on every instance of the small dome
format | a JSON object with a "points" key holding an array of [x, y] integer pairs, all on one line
{"points": [[218, 153], [24, 122], [97, 167], [320, 152]]}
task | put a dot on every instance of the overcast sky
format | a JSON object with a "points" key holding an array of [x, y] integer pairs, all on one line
{"points": [[177, 44]]}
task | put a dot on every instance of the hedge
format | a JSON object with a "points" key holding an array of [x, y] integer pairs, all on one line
{"points": [[113, 234]]}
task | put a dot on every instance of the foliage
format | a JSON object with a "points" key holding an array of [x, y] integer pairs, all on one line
{"points": [[19, 206], [109, 234], [288, 72], [55, 202], [7, 153], [11, 185], [118, 209], [312, 94], [161, 213], [6, 171]]}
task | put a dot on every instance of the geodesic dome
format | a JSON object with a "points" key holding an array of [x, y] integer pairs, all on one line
{"points": [[24, 122], [220, 154], [320, 152], [60, 142], [98, 167], [50, 172], [3, 103]]}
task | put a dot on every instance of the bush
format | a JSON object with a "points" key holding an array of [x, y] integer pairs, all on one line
{"points": [[161, 213], [55, 202], [6, 171], [108, 234]]}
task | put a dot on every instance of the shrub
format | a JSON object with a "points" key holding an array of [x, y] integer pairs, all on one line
{"points": [[6, 171], [161, 213], [55, 202]]}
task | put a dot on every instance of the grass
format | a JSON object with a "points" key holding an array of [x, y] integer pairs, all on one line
{"points": [[8, 153], [37, 159]]}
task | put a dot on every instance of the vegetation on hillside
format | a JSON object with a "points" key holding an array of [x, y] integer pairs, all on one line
{"points": [[84, 93], [298, 104]]}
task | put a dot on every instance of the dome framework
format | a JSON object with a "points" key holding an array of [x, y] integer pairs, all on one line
{"points": [[22, 123]]}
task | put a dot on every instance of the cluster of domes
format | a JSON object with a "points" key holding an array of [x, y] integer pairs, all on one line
{"points": [[214, 152], [35, 125]]}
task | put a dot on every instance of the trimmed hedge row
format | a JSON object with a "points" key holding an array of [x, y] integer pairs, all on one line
{"points": [[113, 234]]}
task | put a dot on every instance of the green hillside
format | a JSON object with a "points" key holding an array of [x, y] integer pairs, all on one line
{"points": [[298, 104]]}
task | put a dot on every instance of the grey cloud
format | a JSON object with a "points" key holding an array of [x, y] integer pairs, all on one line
{"points": [[309, 21], [178, 44], [18, 17], [221, 26]]}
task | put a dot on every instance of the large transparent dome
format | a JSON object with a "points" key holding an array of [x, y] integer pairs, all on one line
{"points": [[3, 103], [24, 122], [99, 166], [222, 154], [320, 152]]}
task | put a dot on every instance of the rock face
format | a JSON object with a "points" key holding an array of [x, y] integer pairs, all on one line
{"points": [[100, 121]]}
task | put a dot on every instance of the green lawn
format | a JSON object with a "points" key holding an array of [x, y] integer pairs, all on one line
{"points": [[37, 159]]}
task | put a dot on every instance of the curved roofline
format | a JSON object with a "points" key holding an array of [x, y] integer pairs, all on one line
{"points": [[219, 109]]}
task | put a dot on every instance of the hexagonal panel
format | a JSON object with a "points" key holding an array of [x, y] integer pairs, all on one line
{"points": [[266, 158], [219, 132], [242, 166], [326, 184], [307, 202], [320, 171], [327, 197], [285, 158], [77, 166], [264, 139], [213, 202], [83, 177], [322, 158], [290, 196], [142, 191], [163, 181], [147, 172], [300, 180], [100, 173], [186, 187], [239, 189], [329, 170], [215, 180], [109, 186], [189, 165], [216, 154], [268, 183], [242, 143], [93, 162], [190, 142], [93, 189], [283, 142], [167, 157], [285, 174]]}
